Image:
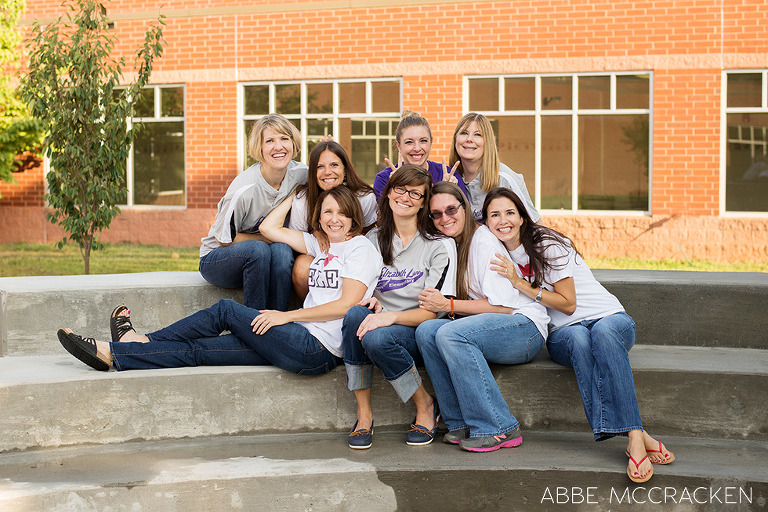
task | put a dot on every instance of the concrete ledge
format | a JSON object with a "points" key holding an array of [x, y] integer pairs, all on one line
{"points": [[32, 309], [318, 472], [54, 401], [709, 309], [702, 309]]}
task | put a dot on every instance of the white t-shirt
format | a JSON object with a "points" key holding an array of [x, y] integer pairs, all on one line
{"points": [[298, 219], [483, 282], [354, 259], [592, 299], [248, 200], [421, 264], [507, 179]]}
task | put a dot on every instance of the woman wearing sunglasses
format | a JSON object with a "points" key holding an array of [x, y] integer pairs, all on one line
{"points": [[497, 324], [381, 331]]}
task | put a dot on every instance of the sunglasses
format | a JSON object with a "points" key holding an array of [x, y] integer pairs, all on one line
{"points": [[415, 195], [449, 212]]}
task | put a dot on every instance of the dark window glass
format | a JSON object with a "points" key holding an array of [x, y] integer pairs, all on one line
{"points": [[633, 91], [744, 89], [172, 101], [746, 170], [158, 164], [257, 100], [556, 93], [320, 98], [483, 94], [556, 156], [385, 96], [288, 99], [520, 93], [594, 92], [352, 98]]}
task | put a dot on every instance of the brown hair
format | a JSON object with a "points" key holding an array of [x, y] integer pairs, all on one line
{"points": [[535, 238], [349, 206], [463, 240], [351, 179], [412, 176]]}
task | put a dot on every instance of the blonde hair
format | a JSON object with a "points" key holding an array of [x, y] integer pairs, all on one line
{"points": [[408, 119], [490, 166], [279, 124]]}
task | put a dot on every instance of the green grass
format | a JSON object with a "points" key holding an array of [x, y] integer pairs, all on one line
{"points": [[47, 260], [698, 265]]}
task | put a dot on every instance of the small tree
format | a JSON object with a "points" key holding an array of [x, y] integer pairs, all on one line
{"points": [[73, 86], [19, 133]]}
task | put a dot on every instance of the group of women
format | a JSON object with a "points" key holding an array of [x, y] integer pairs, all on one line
{"points": [[448, 269]]}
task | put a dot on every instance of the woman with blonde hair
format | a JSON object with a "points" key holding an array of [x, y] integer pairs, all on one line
{"points": [[235, 254], [476, 157]]}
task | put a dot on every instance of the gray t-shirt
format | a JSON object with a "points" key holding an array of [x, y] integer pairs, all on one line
{"points": [[507, 179], [248, 200], [421, 264]]}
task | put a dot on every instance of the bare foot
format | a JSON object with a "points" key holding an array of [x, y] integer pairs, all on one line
{"points": [[657, 452], [426, 416], [639, 468], [131, 336]]}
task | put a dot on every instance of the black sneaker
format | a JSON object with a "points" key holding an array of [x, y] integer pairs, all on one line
{"points": [[456, 436]]}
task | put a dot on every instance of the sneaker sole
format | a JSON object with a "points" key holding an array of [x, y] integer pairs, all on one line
{"points": [[511, 443]]}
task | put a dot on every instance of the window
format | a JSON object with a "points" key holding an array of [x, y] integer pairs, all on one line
{"points": [[155, 172], [361, 114], [581, 141], [746, 158]]}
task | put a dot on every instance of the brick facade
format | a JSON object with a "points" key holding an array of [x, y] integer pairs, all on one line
{"points": [[433, 45]]}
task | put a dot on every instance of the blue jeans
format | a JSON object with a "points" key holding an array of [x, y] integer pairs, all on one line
{"points": [[195, 341], [456, 354], [263, 271], [393, 349], [598, 351]]}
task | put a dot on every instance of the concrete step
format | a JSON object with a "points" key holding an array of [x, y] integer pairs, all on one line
{"points": [[549, 471], [32, 309], [50, 401], [669, 307]]}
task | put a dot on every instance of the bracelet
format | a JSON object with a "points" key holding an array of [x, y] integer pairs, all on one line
{"points": [[451, 313], [538, 297]]}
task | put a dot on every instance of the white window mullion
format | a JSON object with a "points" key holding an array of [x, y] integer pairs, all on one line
{"points": [[537, 141], [575, 145]]}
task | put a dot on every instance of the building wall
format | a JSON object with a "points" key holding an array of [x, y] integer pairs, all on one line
{"points": [[686, 44]]}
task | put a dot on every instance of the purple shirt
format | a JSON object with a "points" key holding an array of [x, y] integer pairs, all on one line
{"points": [[435, 169]]}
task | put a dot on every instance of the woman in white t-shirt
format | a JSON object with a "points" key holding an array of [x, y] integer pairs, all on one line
{"points": [[476, 158], [590, 331], [235, 253], [381, 330], [329, 166], [305, 341], [498, 324]]}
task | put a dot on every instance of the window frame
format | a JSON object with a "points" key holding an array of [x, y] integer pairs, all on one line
{"points": [[157, 117], [574, 111], [724, 111], [303, 116]]}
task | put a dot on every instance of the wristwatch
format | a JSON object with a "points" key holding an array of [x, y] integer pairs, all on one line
{"points": [[538, 297]]}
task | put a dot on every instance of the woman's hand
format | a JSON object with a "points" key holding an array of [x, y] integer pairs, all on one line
{"points": [[371, 303], [506, 268], [269, 318], [432, 300], [449, 176], [393, 167], [375, 321]]}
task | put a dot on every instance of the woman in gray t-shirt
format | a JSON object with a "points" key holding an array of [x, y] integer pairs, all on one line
{"points": [[235, 254], [381, 330]]}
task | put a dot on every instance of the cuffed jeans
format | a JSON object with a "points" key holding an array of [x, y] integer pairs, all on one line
{"points": [[263, 271], [456, 354], [598, 352], [195, 341], [392, 348]]}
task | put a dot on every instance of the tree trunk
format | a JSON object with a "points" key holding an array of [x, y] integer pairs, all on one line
{"points": [[85, 250]]}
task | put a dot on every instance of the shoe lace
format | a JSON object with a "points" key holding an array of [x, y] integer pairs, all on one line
{"points": [[418, 428]]}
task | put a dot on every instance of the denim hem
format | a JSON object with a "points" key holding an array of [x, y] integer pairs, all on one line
{"points": [[359, 376], [516, 426], [406, 384], [602, 435]]}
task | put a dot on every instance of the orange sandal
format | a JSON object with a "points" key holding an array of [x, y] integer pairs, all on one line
{"points": [[635, 476]]}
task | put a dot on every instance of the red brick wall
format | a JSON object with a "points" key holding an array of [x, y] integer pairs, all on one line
{"points": [[685, 43]]}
